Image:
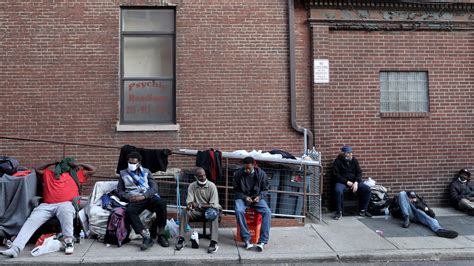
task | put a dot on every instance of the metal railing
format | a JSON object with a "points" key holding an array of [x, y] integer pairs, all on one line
{"points": [[295, 185]]}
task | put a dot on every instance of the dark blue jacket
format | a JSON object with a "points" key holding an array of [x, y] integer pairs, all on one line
{"points": [[260, 188], [344, 171]]}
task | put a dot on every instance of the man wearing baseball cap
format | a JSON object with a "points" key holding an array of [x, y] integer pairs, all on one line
{"points": [[347, 172]]}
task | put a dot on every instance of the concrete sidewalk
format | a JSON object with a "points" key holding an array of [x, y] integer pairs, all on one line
{"points": [[351, 239]]}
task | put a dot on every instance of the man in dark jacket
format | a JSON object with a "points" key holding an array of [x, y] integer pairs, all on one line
{"points": [[250, 188], [461, 191], [347, 172], [137, 187], [413, 209]]}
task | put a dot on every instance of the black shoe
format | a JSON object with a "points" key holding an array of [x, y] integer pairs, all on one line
{"points": [[446, 233], [163, 241], [364, 213], [147, 243], [406, 222], [470, 212], [337, 216], [180, 244], [213, 247]]}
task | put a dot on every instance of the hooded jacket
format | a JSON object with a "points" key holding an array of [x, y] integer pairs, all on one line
{"points": [[345, 171]]}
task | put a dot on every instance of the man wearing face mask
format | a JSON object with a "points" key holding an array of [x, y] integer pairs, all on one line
{"points": [[461, 191], [137, 187], [250, 188], [202, 201], [347, 172]]}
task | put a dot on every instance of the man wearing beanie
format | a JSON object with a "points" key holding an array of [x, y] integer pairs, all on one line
{"points": [[347, 172]]}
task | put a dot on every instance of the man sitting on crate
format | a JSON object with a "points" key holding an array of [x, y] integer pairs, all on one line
{"points": [[250, 188], [137, 187], [60, 187], [347, 172], [202, 201]]}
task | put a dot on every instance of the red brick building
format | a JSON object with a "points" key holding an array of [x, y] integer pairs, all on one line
{"points": [[394, 79]]}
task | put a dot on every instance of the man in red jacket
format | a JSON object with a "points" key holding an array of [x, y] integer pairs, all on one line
{"points": [[60, 186]]}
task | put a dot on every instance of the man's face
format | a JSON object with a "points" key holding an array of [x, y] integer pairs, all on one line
{"points": [[348, 155], [201, 175], [463, 176], [248, 168]]}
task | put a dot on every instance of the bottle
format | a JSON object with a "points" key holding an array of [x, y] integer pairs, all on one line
{"points": [[387, 212]]}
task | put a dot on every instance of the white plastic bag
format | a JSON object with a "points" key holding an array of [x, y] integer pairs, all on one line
{"points": [[370, 182], [50, 244], [172, 227]]}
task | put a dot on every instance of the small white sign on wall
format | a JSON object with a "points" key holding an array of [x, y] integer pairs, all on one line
{"points": [[321, 71]]}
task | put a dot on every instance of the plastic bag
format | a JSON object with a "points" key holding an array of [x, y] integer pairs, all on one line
{"points": [[172, 227], [50, 244], [370, 182]]}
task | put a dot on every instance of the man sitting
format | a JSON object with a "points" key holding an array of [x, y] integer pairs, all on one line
{"points": [[59, 188], [137, 187], [461, 190], [347, 172], [250, 188], [415, 210], [202, 201]]}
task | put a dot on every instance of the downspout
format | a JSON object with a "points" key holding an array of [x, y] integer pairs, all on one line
{"points": [[291, 41]]}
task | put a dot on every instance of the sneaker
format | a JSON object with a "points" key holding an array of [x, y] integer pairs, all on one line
{"points": [[11, 252], [337, 216], [147, 243], [69, 247], [213, 247], [260, 246], [163, 241], [446, 233], [180, 244], [247, 245], [195, 240], [364, 213], [406, 222]]}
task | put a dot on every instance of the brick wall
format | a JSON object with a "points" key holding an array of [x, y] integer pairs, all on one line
{"points": [[421, 153], [59, 77]]}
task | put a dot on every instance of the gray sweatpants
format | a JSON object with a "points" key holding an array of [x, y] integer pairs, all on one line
{"points": [[41, 214]]}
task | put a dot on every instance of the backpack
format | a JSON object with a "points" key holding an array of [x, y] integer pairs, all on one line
{"points": [[118, 229], [8, 165], [379, 200]]}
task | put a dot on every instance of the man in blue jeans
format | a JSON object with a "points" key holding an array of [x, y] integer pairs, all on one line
{"points": [[415, 210], [250, 188], [348, 175]]}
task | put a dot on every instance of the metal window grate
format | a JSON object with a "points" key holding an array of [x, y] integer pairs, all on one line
{"points": [[404, 91]]}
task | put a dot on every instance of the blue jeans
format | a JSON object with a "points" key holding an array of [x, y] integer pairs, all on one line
{"points": [[363, 191], [261, 207], [416, 215]]}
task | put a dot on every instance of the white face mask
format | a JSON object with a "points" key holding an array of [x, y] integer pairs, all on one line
{"points": [[133, 166], [201, 183]]}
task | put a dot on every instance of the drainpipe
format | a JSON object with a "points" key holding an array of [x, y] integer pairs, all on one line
{"points": [[291, 41]]}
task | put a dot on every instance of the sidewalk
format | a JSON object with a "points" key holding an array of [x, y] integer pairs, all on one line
{"points": [[351, 239]]}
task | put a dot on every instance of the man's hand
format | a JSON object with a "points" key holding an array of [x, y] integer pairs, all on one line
{"points": [[349, 184], [248, 200], [136, 198], [354, 187], [192, 205], [256, 199]]}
